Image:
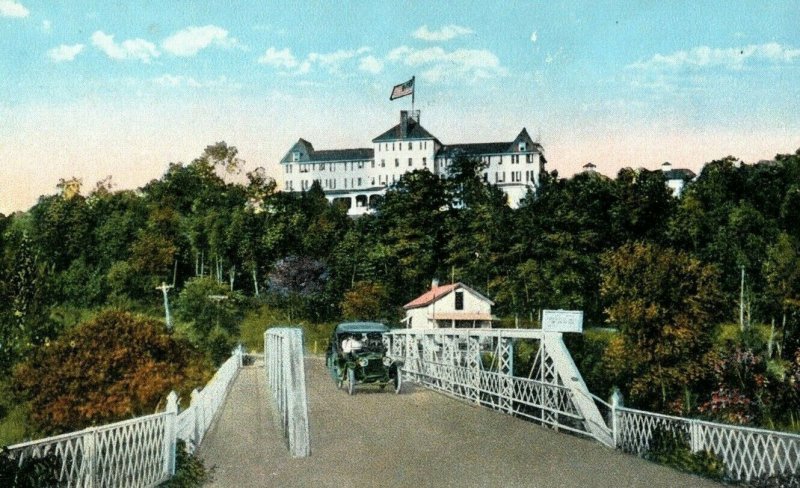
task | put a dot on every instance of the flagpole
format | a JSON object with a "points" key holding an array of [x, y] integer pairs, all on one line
{"points": [[413, 92]]}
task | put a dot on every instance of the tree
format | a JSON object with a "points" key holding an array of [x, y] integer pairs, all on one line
{"points": [[665, 303], [214, 312], [298, 280], [366, 301], [113, 367]]}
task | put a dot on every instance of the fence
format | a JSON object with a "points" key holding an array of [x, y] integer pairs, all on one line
{"points": [[135, 452], [284, 363], [748, 454], [194, 422], [453, 361]]}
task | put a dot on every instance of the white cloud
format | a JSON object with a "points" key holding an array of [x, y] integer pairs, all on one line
{"points": [[129, 49], [47, 25], [469, 64], [10, 8], [444, 34], [179, 81], [279, 58], [371, 64], [732, 58], [534, 37], [284, 60], [65, 52], [190, 41]]}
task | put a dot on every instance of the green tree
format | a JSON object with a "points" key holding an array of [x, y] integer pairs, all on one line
{"points": [[366, 301], [665, 303], [214, 312]]}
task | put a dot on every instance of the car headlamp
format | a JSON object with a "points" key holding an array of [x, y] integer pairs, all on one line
{"points": [[387, 361], [363, 362]]}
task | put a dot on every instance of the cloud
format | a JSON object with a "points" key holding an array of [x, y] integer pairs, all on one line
{"points": [[439, 64], [65, 52], [333, 62], [191, 40], [534, 37], [731, 58], [179, 81], [47, 25], [279, 58], [129, 49], [444, 34], [371, 64], [10, 8]]}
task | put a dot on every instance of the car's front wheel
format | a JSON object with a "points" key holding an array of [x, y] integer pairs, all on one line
{"points": [[351, 381], [398, 381]]}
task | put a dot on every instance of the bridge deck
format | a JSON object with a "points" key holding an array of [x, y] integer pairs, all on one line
{"points": [[417, 439]]}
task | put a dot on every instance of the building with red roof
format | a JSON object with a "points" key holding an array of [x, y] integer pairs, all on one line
{"points": [[454, 305]]}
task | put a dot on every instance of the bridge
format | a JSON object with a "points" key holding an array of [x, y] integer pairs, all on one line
{"points": [[419, 438], [284, 422]]}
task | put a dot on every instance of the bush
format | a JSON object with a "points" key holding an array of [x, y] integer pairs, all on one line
{"points": [[31, 473], [116, 366], [672, 449], [189, 470]]}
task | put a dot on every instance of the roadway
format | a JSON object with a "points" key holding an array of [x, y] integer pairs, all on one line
{"points": [[417, 439]]}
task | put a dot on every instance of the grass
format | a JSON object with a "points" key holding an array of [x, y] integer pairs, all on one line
{"points": [[263, 317], [14, 427]]}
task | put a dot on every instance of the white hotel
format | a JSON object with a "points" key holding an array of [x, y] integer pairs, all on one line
{"points": [[358, 177]]}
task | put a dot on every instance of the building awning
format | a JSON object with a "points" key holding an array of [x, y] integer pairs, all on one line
{"points": [[470, 316]]}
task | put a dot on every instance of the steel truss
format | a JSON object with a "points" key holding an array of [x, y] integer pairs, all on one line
{"points": [[478, 365]]}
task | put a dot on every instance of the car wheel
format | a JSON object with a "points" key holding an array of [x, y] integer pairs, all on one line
{"points": [[398, 381], [351, 381]]}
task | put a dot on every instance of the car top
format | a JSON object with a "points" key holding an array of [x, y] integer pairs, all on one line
{"points": [[352, 327]]}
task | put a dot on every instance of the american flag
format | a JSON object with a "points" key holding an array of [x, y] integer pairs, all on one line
{"points": [[403, 89]]}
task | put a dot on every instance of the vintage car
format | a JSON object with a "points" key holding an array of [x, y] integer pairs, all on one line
{"points": [[356, 355]]}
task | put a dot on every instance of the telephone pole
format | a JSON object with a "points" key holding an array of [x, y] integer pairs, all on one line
{"points": [[164, 289], [741, 303]]}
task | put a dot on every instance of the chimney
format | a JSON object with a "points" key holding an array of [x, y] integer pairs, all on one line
{"points": [[434, 284], [403, 124]]}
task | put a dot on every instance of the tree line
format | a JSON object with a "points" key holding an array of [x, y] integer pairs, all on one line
{"points": [[666, 273]]}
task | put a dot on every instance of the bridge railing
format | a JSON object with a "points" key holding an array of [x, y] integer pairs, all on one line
{"points": [[285, 369], [748, 454], [194, 421], [136, 452]]}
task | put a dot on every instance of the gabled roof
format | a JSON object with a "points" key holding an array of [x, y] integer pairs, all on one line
{"points": [[438, 292], [415, 131], [341, 154], [483, 148]]}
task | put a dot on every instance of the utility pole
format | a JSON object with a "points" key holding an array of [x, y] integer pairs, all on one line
{"points": [[741, 302], [164, 289]]}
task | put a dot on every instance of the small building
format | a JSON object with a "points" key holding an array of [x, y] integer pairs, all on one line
{"points": [[676, 178], [455, 305]]}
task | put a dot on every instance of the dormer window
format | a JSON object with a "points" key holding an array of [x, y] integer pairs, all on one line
{"points": [[523, 146], [296, 156]]}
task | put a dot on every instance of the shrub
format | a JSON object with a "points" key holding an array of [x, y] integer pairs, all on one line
{"points": [[113, 367], [31, 473], [672, 449], [189, 470]]}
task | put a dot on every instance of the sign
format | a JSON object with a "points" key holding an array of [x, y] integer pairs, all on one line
{"points": [[562, 321]]}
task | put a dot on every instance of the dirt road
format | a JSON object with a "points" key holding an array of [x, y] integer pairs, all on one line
{"points": [[416, 439]]}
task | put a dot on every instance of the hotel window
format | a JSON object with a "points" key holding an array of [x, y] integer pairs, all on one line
{"points": [[383, 163], [360, 164], [499, 159], [528, 158], [396, 162], [424, 162], [359, 181], [345, 183], [410, 161], [322, 166], [486, 177], [373, 163], [393, 146], [409, 146], [372, 183]]}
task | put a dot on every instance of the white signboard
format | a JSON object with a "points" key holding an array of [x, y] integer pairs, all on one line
{"points": [[562, 321]]}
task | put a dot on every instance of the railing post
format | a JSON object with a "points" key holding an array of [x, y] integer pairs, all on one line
{"points": [[194, 407], [89, 457], [616, 402], [694, 435], [240, 354], [169, 433]]}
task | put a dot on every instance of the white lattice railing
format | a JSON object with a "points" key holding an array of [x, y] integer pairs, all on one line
{"points": [[285, 369], [194, 422], [748, 454], [133, 453], [136, 452]]}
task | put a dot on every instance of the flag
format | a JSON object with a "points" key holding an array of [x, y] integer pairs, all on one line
{"points": [[403, 89]]}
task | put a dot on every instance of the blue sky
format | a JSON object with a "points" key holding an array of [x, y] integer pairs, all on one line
{"points": [[91, 89]]}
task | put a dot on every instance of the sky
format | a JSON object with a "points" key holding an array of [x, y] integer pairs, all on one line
{"points": [[90, 89]]}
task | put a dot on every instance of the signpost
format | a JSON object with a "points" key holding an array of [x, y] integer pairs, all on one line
{"points": [[562, 321]]}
